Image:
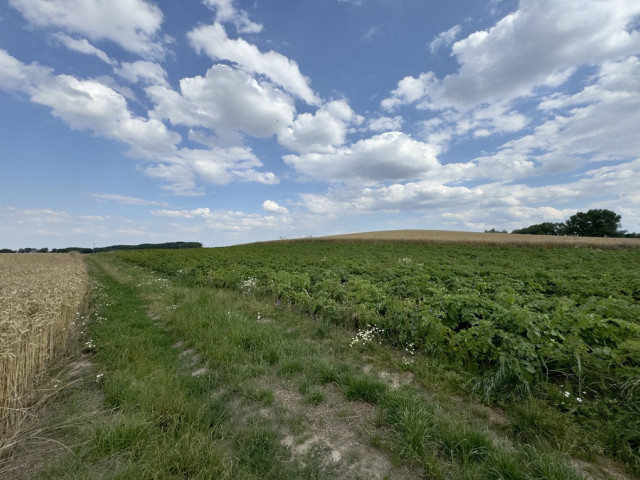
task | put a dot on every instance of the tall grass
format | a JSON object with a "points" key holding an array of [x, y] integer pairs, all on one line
{"points": [[40, 297]]}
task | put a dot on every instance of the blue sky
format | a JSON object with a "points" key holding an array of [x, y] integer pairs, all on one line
{"points": [[230, 121]]}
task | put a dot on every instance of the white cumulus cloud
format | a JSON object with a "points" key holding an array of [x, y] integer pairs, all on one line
{"points": [[383, 123], [87, 104], [539, 45], [320, 131], [225, 98], [387, 156], [132, 24], [271, 206], [213, 41], [148, 72], [187, 169]]}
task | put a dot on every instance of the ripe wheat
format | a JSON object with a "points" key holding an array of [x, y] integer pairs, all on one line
{"points": [[40, 297]]}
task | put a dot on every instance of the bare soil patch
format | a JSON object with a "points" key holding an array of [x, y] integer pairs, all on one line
{"points": [[336, 430]]}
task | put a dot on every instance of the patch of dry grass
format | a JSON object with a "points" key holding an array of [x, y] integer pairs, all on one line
{"points": [[471, 238], [41, 296]]}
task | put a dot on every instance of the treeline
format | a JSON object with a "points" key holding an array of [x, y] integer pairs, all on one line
{"points": [[593, 223], [142, 246]]}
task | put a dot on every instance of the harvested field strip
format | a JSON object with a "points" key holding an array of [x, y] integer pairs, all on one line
{"points": [[476, 238], [40, 296]]}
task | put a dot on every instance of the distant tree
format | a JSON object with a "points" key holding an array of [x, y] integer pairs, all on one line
{"points": [[546, 228], [594, 223], [7, 250], [493, 230], [43, 250]]}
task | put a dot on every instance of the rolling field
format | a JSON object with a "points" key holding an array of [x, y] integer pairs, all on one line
{"points": [[355, 359], [472, 238], [561, 325]]}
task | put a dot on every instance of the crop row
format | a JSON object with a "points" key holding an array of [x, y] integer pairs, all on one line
{"points": [[533, 311]]}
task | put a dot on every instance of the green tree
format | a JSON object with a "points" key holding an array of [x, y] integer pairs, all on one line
{"points": [[545, 228], [594, 223]]}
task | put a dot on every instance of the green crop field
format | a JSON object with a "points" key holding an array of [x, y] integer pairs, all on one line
{"points": [[347, 359], [558, 324]]}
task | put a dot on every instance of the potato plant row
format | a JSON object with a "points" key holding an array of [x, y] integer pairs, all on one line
{"points": [[515, 315]]}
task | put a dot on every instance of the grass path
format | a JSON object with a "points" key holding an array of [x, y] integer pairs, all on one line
{"points": [[182, 382]]}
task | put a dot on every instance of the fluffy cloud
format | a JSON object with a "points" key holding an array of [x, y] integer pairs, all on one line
{"points": [[132, 24], [19, 77], [382, 124], [394, 198], [486, 205], [213, 41], [225, 98], [90, 104], [185, 170], [142, 70], [321, 131], [540, 45], [271, 206], [388, 156], [87, 104], [582, 127], [226, 12]]}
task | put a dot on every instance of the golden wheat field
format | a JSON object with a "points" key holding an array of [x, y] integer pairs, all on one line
{"points": [[445, 236], [40, 297]]}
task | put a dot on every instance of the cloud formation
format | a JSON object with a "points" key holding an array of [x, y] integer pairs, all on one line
{"points": [[527, 121], [214, 42], [89, 104], [134, 25], [444, 39], [227, 220], [148, 73], [226, 12], [321, 131], [387, 156], [273, 207], [83, 46], [224, 98], [539, 45]]}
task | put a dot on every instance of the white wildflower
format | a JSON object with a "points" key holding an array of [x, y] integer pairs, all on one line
{"points": [[365, 336], [249, 285]]}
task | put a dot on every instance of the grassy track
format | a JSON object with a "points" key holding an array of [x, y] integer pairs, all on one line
{"points": [[195, 382]]}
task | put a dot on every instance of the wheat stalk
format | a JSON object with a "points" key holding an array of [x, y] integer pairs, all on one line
{"points": [[40, 298]]}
